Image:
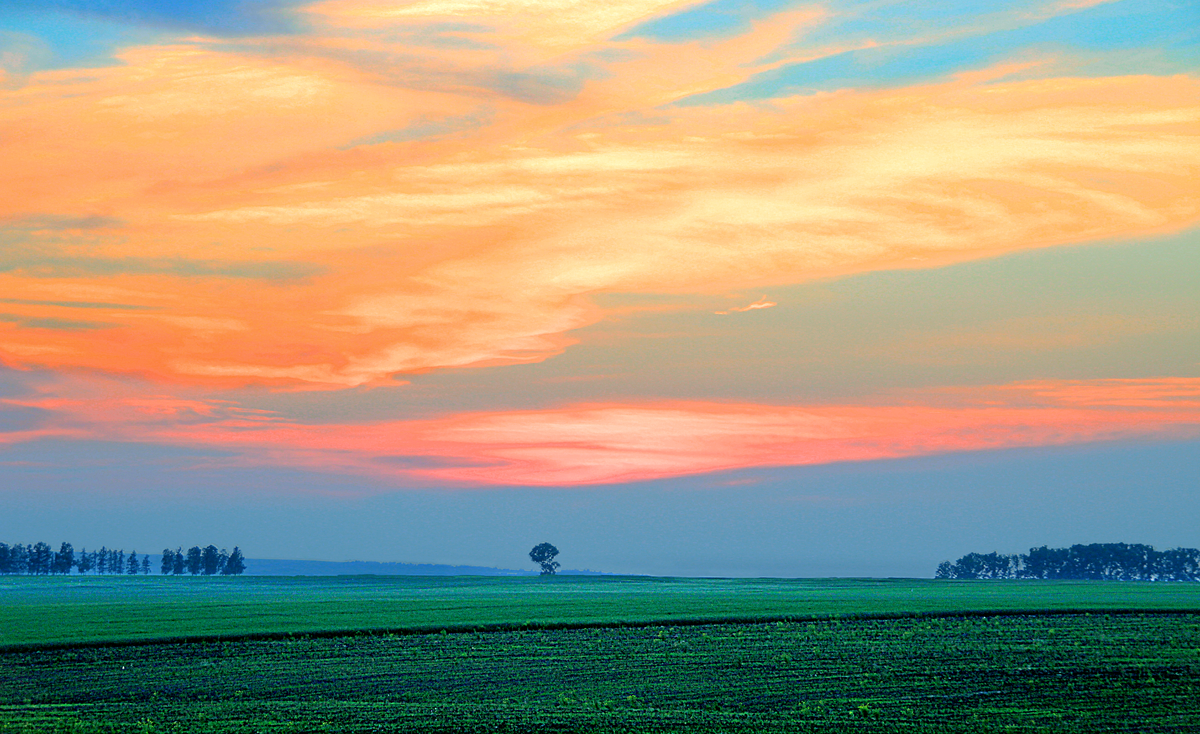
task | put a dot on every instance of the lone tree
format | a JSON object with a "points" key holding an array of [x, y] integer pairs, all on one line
{"points": [[543, 554]]}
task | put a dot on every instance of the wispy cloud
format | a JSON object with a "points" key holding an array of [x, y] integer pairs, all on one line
{"points": [[73, 304], [294, 214], [607, 443], [760, 303], [38, 322]]}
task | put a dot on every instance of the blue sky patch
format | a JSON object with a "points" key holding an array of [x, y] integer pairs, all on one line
{"points": [[720, 18], [61, 34], [217, 17], [1114, 28]]}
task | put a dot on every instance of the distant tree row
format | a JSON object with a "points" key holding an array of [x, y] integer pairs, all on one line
{"points": [[1097, 561], [207, 561], [40, 559]]}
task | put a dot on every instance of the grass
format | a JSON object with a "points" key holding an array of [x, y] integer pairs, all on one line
{"points": [[94, 655], [73, 610]]}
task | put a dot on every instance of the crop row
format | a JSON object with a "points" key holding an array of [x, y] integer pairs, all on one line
{"points": [[1060, 673], [336, 716]]}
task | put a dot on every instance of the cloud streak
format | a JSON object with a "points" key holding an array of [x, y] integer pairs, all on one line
{"points": [[613, 443], [760, 303]]}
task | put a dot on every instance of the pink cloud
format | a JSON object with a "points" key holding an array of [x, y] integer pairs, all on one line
{"points": [[607, 443]]}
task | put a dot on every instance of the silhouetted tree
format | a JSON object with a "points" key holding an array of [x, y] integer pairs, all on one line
{"points": [[1043, 563], [19, 558], [195, 560], [236, 564], [1127, 562], [968, 567], [86, 561], [543, 554], [41, 559], [64, 560], [1095, 561], [211, 555], [1178, 564]]}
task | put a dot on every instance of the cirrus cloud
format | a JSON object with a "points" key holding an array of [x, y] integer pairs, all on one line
{"points": [[486, 244]]}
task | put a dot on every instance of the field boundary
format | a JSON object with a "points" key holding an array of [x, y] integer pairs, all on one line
{"points": [[532, 626]]}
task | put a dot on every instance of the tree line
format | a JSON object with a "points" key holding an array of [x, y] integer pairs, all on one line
{"points": [[207, 561], [1097, 561], [39, 559]]}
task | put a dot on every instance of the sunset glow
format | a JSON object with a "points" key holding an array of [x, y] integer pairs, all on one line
{"points": [[550, 243]]}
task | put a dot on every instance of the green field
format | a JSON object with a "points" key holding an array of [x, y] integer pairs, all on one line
{"points": [[42, 610], [103, 654]]}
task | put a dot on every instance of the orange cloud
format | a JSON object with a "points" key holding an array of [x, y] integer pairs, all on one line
{"points": [[1166, 392], [277, 216], [553, 25], [604, 443]]}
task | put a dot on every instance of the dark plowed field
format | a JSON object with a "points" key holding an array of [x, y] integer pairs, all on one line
{"points": [[1036, 673]]}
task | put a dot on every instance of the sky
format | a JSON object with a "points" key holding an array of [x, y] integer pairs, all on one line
{"points": [[731, 288]]}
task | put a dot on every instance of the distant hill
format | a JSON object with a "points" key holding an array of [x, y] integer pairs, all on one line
{"points": [[280, 567]]}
